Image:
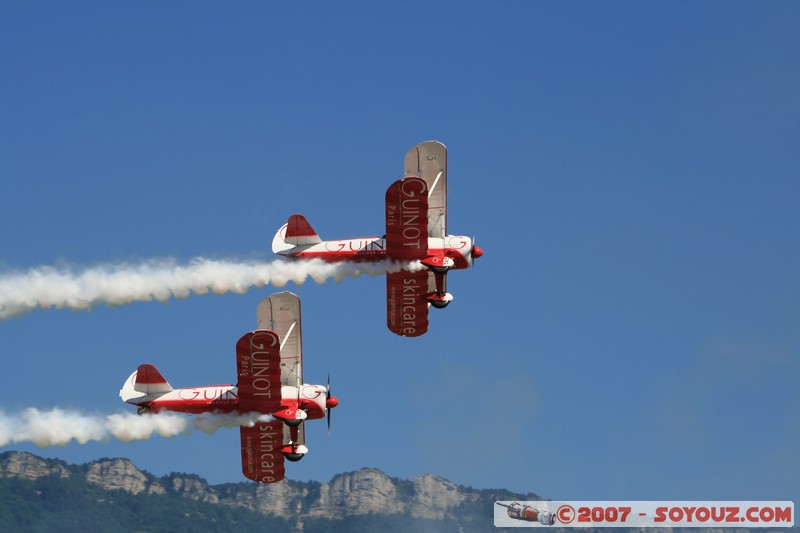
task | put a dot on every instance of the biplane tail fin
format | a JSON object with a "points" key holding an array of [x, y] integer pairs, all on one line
{"points": [[145, 381], [296, 232], [150, 381]]}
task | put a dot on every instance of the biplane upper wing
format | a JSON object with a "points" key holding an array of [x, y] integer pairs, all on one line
{"points": [[428, 160], [281, 313], [406, 306], [262, 455], [258, 368]]}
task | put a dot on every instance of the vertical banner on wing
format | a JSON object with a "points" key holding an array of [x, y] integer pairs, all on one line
{"points": [[406, 306], [262, 458], [407, 219], [258, 366]]}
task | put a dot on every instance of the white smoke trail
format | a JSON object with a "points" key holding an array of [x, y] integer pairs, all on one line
{"points": [[59, 427], [45, 287]]}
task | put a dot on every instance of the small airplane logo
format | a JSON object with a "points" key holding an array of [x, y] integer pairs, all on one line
{"points": [[527, 513], [416, 230], [270, 371]]}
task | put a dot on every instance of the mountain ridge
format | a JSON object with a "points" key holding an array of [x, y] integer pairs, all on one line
{"points": [[365, 494]]}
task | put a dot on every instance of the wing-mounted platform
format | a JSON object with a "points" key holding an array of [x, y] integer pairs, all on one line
{"points": [[281, 313], [262, 451], [258, 367], [406, 305], [428, 160]]}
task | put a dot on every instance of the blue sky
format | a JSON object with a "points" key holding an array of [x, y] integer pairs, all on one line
{"points": [[630, 169]]}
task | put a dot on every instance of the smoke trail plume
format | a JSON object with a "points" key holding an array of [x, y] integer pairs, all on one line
{"points": [[59, 427], [45, 287]]}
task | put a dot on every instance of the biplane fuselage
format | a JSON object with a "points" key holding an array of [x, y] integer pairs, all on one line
{"points": [[456, 247], [225, 399]]}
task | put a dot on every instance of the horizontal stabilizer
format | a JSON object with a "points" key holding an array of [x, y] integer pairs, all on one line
{"points": [[128, 393]]}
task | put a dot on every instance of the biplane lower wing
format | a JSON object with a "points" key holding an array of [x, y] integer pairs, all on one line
{"points": [[406, 306], [258, 367], [262, 455]]}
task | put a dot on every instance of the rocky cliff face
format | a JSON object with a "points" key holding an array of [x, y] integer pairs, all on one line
{"points": [[367, 491], [27, 466], [120, 474]]}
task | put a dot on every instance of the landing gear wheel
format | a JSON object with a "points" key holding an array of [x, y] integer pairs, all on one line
{"points": [[440, 304]]}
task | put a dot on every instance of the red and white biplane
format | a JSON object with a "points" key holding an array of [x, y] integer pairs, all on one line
{"points": [[416, 230], [269, 364]]}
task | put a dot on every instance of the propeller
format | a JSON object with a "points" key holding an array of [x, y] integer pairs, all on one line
{"points": [[327, 399], [330, 401], [475, 252]]}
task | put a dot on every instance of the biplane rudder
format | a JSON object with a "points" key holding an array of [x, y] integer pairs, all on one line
{"points": [[296, 232], [145, 381]]}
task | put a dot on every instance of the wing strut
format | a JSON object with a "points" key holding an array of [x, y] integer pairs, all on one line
{"points": [[288, 333], [433, 187]]}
